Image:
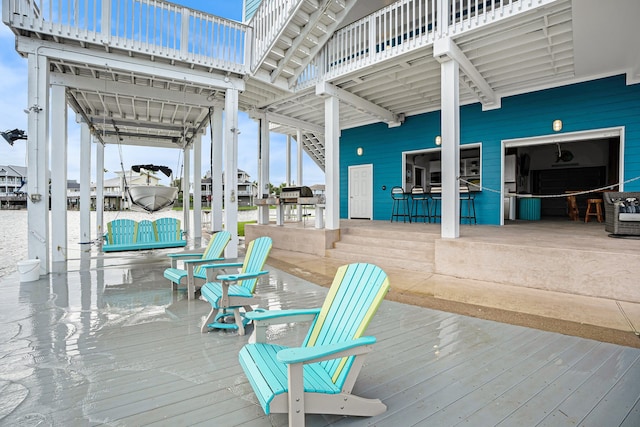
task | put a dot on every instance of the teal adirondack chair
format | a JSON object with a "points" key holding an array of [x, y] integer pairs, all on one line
{"points": [[230, 292], [193, 262], [317, 378]]}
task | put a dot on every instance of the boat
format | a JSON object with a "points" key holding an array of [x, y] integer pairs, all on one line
{"points": [[152, 198]]}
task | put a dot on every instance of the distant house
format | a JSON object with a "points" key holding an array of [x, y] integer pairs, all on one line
{"points": [[246, 192], [73, 194], [12, 179]]}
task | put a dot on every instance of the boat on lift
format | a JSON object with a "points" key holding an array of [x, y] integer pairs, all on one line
{"points": [[152, 198]]}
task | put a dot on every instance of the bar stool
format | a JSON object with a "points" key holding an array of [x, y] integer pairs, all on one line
{"points": [[400, 208], [597, 204], [467, 196], [435, 194], [572, 208], [420, 205]]}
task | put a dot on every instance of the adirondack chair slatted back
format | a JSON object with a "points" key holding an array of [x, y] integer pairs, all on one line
{"points": [[167, 229], [254, 260], [214, 249], [146, 233], [354, 297], [122, 231]]}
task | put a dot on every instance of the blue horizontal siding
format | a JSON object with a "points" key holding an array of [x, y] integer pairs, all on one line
{"points": [[602, 103]]}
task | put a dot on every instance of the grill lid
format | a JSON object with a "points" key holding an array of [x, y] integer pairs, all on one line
{"points": [[295, 192]]}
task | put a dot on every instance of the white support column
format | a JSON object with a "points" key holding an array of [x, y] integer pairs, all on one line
{"points": [[186, 202], [299, 165], [288, 160], [450, 128], [58, 179], [38, 161], [197, 189], [332, 161], [99, 190], [263, 168], [85, 183], [231, 171], [216, 173], [287, 208]]}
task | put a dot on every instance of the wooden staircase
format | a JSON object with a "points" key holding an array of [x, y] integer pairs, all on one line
{"points": [[389, 249]]}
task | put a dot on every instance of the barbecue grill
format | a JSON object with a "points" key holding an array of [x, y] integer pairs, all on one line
{"points": [[297, 196]]}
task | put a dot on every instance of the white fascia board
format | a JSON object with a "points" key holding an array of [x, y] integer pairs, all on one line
{"points": [[127, 64], [361, 104], [143, 142]]}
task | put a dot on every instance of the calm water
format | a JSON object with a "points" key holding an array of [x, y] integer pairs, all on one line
{"points": [[13, 233]]}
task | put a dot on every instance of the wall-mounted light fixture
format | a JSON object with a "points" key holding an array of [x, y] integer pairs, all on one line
{"points": [[438, 140], [557, 125], [359, 151]]}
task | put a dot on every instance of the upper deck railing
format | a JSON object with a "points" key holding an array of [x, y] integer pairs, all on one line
{"points": [[403, 26], [151, 27], [159, 28]]}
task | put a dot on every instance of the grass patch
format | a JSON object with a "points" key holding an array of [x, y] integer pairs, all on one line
{"points": [[241, 226]]}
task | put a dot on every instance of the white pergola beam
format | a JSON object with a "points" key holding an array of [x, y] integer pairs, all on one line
{"points": [[131, 90], [294, 123], [445, 49], [361, 104]]}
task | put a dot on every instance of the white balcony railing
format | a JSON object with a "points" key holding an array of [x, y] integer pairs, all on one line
{"points": [[159, 28], [400, 27], [147, 26]]}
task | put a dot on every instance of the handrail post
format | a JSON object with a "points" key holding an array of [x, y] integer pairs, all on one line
{"points": [[106, 21], [442, 20], [184, 34]]}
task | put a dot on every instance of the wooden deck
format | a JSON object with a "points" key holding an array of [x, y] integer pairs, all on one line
{"points": [[109, 343]]}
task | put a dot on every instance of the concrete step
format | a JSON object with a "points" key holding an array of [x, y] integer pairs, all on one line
{"points": [[397, 242], [406, 233], [383, 261], [413, 251]]}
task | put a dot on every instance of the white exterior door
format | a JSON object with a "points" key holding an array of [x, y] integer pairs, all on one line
{"points": [[361, 191]]}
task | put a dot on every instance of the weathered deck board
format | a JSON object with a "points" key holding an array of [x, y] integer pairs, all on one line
{"points": [[115, 346]]}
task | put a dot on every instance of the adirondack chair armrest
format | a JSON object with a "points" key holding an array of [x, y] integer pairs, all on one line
{"points": [[306, 314], [224, 265], [182, 256], [240, 276], [201, 261], [315, 354], [263, 319], [211, 268]]}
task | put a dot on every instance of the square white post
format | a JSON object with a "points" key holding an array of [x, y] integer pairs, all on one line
{"points": [[38, 161], [216, 173], [450, 128], [100, 190], [197, 189], [299, 165], [85, 183], [231, 171], [186, 189], [264, 148], [332, 161], [58, 178]]}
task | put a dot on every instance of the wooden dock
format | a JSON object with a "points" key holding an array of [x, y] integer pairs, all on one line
{"points": [[109, 343]]}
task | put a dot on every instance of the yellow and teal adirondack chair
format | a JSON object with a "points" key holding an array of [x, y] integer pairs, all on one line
{"points": [[317, 378], [193, 262], [227, 293]]}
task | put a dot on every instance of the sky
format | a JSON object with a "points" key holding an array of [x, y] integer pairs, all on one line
{"points": [[13, 100]]}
